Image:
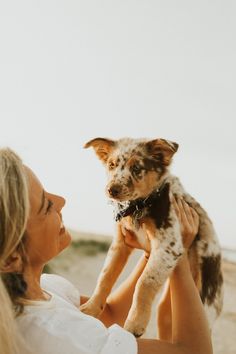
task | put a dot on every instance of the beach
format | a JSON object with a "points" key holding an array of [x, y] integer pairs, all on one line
{"points": [[82, 262]]}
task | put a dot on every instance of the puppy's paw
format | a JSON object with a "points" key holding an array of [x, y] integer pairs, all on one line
{"points": [[92, 308], [134, 327]]}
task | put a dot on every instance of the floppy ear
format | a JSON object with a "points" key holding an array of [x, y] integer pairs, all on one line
{"points": [[162, 150], [102, 147]]}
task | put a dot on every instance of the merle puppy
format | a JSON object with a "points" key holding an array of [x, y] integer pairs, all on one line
{"points": [[139, 183]]}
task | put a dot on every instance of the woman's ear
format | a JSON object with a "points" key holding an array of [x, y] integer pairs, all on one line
{"points": [[13, 264]]}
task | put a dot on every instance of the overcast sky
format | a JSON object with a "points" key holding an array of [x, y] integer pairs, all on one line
{"points": [[74, 70]]}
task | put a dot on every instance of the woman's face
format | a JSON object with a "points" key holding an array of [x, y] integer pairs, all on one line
{"points": [[46, 235]]}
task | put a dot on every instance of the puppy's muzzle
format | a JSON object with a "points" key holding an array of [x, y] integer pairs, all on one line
{"points": [[114, 190]]}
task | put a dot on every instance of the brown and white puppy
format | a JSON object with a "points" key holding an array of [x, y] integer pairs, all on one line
{"points": [[140, 184]]}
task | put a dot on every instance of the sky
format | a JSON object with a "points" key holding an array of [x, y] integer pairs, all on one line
{"points": [[75, 70]]}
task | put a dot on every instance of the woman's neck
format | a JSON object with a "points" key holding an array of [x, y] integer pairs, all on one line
{"points": [[32, 278]]}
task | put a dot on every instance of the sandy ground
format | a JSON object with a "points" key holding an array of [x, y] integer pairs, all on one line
{"points": [[83, 269]]}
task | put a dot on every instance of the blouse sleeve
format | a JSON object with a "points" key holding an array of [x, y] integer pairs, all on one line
{"points": [[119, 341], [60, 286], [67, 332], [62, 328]]}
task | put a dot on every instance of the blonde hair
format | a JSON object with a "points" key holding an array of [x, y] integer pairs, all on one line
{"points": [[14, 211]]}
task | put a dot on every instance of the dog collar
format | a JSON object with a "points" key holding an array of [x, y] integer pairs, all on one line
{"points": [[135, 207]]}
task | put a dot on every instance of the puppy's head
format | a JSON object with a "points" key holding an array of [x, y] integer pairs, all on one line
{"points": [[135, 167]]}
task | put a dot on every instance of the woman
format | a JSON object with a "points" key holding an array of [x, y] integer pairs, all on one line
{"points": [[47, 307]]}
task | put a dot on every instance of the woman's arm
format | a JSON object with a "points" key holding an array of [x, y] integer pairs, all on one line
{"points": [[189, 324], [119, 301], [190, 330]]}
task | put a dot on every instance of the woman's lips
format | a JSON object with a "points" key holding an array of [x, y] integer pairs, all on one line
{"points": [[62, 231]]}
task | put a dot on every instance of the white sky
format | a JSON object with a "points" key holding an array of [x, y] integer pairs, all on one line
{"points": [[74, 70]]}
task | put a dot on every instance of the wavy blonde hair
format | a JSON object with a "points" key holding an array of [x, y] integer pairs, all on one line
{"points": [[14, 211]]}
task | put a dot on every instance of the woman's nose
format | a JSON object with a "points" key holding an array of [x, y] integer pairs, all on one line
{"points": [[61, 202], [58, 201]]}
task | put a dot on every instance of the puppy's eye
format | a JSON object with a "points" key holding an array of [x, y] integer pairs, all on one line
{"points": [[136, 169], [111, 165]]}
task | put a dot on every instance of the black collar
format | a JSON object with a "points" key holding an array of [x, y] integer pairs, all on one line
{"points": [[136, 206]]}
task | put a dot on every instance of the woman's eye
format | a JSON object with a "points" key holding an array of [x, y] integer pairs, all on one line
{"points": [[49, 206]]}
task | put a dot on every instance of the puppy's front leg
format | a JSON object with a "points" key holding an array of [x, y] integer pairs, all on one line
{"points": [[166, 248], [115, 261]]}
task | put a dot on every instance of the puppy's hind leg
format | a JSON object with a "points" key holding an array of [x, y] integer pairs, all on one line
{"points": [[114, 263]]}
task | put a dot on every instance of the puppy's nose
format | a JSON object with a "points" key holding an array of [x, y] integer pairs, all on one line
{"points": [[114, 190]]}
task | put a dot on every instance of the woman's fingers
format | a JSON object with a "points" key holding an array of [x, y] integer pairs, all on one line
{"points": [[189, 216], [195, 217], [187, 211], [130, 239], [181, 210], [184, 211], [173, 199], [188, 219]]}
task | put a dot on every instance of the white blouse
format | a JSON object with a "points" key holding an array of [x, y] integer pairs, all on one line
{"points": [[57, 326]]}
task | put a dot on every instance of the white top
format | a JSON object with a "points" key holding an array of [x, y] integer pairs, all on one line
{"points": [[57, 326]]}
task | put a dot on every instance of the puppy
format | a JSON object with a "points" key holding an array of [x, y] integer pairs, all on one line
{"points": [[140, 185]]}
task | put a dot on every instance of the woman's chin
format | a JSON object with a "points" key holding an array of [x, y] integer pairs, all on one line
{"points": [[65, 240]]}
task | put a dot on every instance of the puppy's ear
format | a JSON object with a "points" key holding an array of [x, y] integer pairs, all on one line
{"points": [[102, 147], [162, 150]]}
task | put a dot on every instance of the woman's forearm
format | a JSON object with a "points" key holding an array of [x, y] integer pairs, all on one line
{"points": [[190, 330], [189, 322], [120, 300]]}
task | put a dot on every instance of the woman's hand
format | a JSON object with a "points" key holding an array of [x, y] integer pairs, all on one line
{"points": [[188, 219], [130, 240]]}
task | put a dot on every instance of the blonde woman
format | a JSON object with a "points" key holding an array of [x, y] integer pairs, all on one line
{"points": [[14, 212], [46, 307]]}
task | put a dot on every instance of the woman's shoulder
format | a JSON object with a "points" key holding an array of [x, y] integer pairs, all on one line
{"points": [[58, 327], [55, 284]]}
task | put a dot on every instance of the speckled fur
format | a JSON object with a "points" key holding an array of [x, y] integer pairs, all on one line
{"points": [[136, 168]]}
